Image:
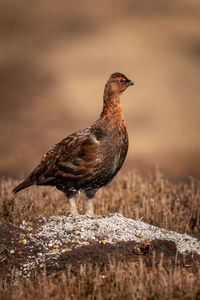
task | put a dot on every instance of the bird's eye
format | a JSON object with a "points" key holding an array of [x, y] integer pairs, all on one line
{"points": [[121, 80]]}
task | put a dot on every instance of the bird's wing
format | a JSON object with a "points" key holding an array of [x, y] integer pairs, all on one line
{"points": [[72, 159]]}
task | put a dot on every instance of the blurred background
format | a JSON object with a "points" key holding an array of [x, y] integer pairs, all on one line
{"points": [[55, 57]]}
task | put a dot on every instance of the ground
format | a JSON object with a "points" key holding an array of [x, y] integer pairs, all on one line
{"points": [[56, 243], [150, 250]]}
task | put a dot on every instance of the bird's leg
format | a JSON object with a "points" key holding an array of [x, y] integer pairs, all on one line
{"points": [[89, 207], [73, 207], [89, 194]]}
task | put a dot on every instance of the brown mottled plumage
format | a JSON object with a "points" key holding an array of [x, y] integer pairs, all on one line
{"points": [[89, 158]]}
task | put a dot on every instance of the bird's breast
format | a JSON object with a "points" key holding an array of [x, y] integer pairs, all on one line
{"points": [[113, 147]]}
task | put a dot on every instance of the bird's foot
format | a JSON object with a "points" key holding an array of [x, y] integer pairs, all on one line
{"points": [[92, 215], [76, 216]]}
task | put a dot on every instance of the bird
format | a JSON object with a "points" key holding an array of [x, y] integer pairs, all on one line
{"points": [[88, 159]]}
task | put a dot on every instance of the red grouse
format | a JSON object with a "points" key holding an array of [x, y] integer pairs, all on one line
{"points": [[89, 158]]}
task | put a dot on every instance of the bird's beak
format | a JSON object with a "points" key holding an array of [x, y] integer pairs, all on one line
{"points": [[130, 83]]}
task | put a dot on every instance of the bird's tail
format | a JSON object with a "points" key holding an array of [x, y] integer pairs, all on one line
{"points": [[24, 184]]}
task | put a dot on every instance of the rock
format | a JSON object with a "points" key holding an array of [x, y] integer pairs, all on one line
{"points": [[59, 241]]}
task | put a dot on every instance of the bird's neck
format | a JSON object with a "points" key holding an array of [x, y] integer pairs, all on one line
{"points": [[111, 105]]}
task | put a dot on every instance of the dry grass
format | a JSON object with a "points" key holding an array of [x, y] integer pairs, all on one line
{"points": [[153, 198], [118, 281]]}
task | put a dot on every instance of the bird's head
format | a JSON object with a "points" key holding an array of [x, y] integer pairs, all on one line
{"points": [[118, 83]]}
